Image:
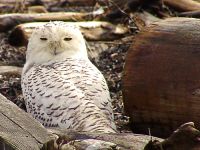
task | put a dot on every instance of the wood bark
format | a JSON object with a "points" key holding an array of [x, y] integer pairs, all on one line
{"points": [[18, 130], [10, 70]]}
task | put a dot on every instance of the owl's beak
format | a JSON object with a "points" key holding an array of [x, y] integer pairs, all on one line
{"points": [[54, 52], [55, 46]]}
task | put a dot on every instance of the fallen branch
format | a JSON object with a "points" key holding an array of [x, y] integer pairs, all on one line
{"points": [[78, 2], [8, 21], [12, 6], [5, 8], [183, 5], [194, 14], [93, 30], [10, 70], [186, 137], [82, 140]]}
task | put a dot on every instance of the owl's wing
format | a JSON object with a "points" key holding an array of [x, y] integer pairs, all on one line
{"points": [[49, 95], [96, 89], [51, 92]]}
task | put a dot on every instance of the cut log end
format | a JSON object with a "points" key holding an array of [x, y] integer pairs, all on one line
{"points": [[18, 37]]}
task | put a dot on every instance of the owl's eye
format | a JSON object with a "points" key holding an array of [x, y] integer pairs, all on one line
{"points": [[67, 38], [43, 39]]}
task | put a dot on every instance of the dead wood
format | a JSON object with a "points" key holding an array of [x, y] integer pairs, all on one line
{"points": [[12, 6], [13, 2], [78, 2], [82, 140], [26, 2], [10, 70], [18, 129], [37, 9], [186, 137], [4, 8], [194, 14], [93, 30], [142, 19], [121, 9], [183, 5], [8, 21]]}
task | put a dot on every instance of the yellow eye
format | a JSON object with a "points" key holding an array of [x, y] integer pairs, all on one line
{"points": [[67, 38], [43, 39]]}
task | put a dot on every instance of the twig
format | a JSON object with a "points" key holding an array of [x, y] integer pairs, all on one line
{"points": [[195, 14]]}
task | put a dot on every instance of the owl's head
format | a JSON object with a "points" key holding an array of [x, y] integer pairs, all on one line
{"points": [[55, 41]]}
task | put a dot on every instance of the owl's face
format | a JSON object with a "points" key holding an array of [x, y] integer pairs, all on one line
{"points": [[55, 41]]}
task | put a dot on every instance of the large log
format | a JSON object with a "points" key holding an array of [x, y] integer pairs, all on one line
{"points": [[162, 76]]}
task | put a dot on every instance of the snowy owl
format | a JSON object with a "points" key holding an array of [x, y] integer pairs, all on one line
{"points": [[61, 87]]}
